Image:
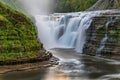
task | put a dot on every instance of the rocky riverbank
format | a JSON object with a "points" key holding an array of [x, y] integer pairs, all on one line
{"points": [[38, 63]]}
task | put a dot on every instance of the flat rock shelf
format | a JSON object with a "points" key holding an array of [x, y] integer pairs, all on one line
{"points": [[31, 64]]}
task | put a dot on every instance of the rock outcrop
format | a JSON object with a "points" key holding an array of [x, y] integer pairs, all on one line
{"points": [[18, 37], [103, 36], [105, 4]]}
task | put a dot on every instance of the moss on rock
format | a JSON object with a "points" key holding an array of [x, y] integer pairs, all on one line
{"points": [[18, 36]]}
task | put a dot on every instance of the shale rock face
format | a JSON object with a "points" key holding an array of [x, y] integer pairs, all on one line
{"points": [[103, 37], [105, 4], [18, 38]]}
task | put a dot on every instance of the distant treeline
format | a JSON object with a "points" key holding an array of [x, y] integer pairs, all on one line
{"points": [[73, 5], [59, 6]]}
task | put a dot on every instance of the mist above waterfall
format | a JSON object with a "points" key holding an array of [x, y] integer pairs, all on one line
{"points": [[37, 7]]}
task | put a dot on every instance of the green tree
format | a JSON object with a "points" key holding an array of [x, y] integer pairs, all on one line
{"points": [[73, 5]]}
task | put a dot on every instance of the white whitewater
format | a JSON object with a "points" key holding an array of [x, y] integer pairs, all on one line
{"points": [[65, 30], [59, 30]]}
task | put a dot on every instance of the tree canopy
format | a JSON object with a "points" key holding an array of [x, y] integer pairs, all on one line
{"points": [[73, 5]]}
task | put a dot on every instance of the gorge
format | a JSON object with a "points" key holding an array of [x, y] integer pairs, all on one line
{"points": [[60, 26], [86, 42]]}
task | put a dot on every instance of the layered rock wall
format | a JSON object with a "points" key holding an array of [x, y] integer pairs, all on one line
{"points": [[103, 37]]}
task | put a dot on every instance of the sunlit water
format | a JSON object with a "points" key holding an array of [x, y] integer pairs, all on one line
{"points": [[72, 66]]}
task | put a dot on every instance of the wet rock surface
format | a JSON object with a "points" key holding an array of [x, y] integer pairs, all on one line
{"points": [[97, 32], [47, 61]]}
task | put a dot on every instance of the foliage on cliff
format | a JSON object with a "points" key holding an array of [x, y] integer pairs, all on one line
{"points": [[17, 35], [15, 4], [105, 4], [81, 5], [73, 5]]}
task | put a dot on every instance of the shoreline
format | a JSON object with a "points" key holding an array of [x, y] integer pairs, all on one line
{"points": [[29, 66], [46, 55]]}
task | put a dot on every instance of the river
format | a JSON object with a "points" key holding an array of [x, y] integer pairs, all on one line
{"points": [[72, 66]]}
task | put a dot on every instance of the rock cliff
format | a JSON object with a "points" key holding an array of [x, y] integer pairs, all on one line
{"points": [[103, 36]]}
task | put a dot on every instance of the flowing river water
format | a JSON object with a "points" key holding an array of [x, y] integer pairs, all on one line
{"points": [[72, 66]]}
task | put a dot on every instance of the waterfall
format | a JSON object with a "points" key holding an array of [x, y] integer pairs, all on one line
{"points": [[105, 38], [67, 30], [60, 30], [64, 30]]}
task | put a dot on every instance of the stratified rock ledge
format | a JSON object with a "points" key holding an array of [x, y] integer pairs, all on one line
{"points": [[32, 64]]}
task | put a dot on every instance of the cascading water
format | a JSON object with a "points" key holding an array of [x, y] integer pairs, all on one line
{"points": [[104, 40], [65, 30]]}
